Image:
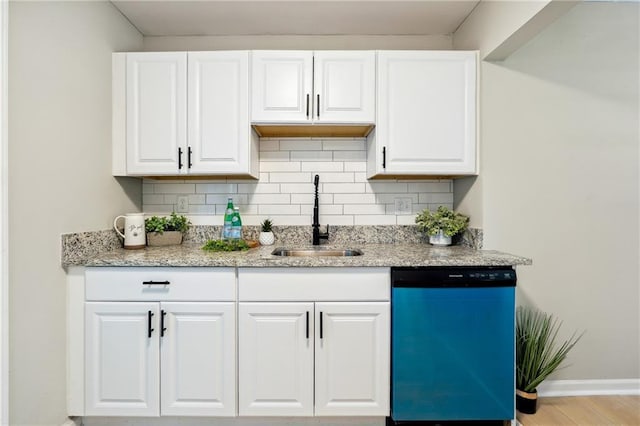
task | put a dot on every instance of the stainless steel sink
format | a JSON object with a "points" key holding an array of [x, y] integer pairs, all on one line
{"points": [[316, 251]]}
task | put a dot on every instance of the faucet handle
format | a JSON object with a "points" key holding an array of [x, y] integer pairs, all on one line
{"points": [[325, 236]]}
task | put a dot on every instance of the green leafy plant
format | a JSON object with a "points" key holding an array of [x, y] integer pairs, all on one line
{"points": [[537, 353], [266, 225], [444, 219], [225, 245], [172, 223]]}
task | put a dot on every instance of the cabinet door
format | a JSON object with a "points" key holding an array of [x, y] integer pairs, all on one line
{"points": [[281, 86], [198, 359], [352, 359], [275, 359], [344, 86], [122, 370], [426, 113], [219, 130], [156, 112]]}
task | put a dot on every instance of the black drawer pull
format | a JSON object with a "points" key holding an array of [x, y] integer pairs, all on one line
{"points": [[307, 324], [321, 324], [163, 313], [155, 282], [149, 328]]}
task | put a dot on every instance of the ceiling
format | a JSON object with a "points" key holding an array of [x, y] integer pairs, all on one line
{"points": [[295, 17]]}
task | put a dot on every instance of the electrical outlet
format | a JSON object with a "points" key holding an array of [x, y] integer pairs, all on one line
{"points": [[183, 204], [403, 205]]}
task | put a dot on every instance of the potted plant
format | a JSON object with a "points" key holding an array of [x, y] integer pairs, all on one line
{"points": [[441, 225], [266, 237], [163, 231], [537, 353]]}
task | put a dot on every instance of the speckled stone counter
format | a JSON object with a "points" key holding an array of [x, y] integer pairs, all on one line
{"points": [[383, 255], [381, 245]]}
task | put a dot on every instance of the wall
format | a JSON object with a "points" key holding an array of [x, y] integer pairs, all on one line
{"points": [[60, 181], [560, 165], [285, 190]]}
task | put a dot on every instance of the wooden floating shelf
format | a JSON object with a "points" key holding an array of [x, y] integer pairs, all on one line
{"points": [[312, 131]]}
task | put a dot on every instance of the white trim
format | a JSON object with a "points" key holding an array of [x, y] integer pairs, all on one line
{"points": [[69, 422], [4, 215], [589, 387]]}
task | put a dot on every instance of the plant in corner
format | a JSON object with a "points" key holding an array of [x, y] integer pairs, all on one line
{"points": [[266, 237], [537, 353], [163, 231], [441, 225]]}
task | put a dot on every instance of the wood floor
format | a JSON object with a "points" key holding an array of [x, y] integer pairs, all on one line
{"points": [[585, 411]]}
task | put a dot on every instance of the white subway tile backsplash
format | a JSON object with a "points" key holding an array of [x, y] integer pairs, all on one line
{"points": [[344, 145], [285, 190], [349, 155], [354, 198], [342, 188], [290, 177], [269, 199], [300, 145], [389, 187], [174, 188], [218, 188], [322, 166], [274, 156], [297, 188], [280, 166], [430, 186], [259, 188], [309, 198], [381, 219], [355, 166], [360, 209], [312, 155], [269, 145], [278, 209]]}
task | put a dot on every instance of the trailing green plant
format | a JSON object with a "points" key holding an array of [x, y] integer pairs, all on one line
{"points": [[225, 245], [266, 225], [537, 353], [445, 219], [171, 223]]}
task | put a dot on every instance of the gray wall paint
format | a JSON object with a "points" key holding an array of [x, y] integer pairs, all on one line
{"points": [[560, 163], [59, 179]]}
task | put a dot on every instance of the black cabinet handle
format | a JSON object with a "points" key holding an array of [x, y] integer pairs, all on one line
{"points": [[321, 324], [318, 106], [307, 106], [384, 157], [156, 282], [179, 158], [307, 324], [189, 164], [149, 328], [163, 313]]}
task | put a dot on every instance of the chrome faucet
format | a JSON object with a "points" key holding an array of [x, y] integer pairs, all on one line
{"points": [[317, 236]]}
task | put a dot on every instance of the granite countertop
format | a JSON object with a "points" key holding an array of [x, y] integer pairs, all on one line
{"points": [[374, 255], [383, 246]]}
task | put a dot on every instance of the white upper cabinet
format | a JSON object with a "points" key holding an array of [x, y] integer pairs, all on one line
{"points": [[183, 113], [219, 131], [426, 122], [304, 87], [156, 111]]}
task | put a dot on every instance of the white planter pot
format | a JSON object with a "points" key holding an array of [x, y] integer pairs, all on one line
{"points": [[440, 239], [266, 238]]}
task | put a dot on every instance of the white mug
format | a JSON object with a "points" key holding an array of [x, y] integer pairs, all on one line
{"points": [[134, 235]]}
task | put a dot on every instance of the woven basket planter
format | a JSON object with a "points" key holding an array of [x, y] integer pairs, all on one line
{"points": [[167, 238]]}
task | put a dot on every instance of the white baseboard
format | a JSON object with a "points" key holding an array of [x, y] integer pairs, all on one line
{"points": [[589, 387], [70, 422]]}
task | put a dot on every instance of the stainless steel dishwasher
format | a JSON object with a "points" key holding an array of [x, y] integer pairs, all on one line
{"points": [[452, 345]]}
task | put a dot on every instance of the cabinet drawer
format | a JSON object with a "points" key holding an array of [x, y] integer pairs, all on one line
{"points": [[317, 284], [166, 284]]}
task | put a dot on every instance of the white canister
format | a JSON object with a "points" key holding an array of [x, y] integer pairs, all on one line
{"points": [[134, 235]]}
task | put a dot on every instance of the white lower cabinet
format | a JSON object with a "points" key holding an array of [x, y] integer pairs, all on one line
{"points": [[322, 358], [150, 359], [173, 354]]}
